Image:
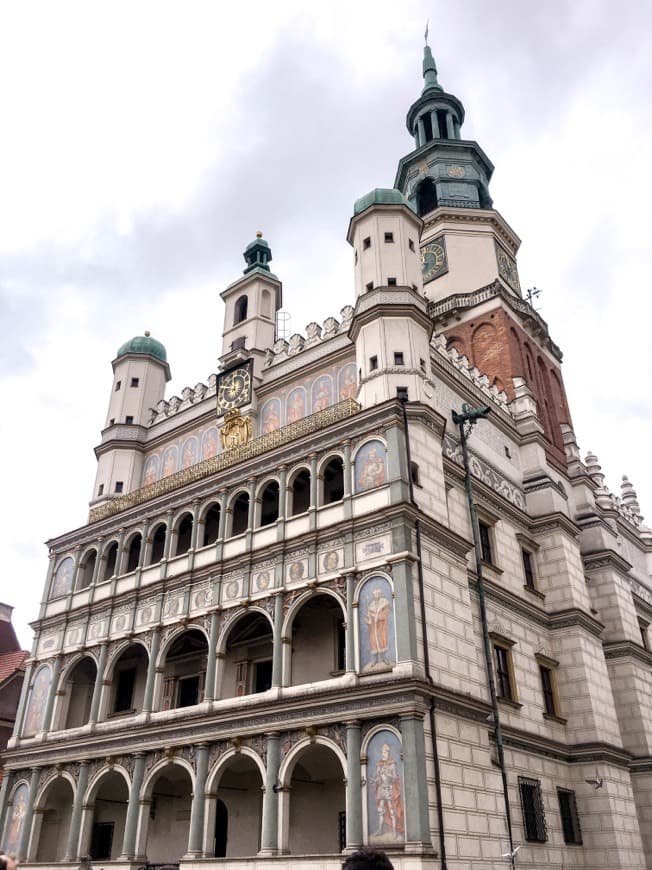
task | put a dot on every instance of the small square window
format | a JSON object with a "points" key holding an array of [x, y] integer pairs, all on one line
{"points": [[398, 358], [411, 244], [414, 474], [129, 419], [366, 243], [534, 817], [391, 282], [119, 486], [373, 363], [485, 543], [100, 489], [528, 568], [389, 237], [118, 384], [111, 421], [370, 286], [135, 382], [570, 820]]}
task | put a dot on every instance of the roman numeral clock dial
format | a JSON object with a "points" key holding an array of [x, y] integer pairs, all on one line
{"points": [[234, 388]]}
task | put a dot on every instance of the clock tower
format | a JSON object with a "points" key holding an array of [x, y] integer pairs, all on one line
{"points": [[468, 255]]}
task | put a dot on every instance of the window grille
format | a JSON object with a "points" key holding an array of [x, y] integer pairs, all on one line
{"points": [[534, 818], [570, 822]]}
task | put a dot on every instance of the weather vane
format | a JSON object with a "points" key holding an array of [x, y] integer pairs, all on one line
{"points": [[425, 35], [532, 293]]}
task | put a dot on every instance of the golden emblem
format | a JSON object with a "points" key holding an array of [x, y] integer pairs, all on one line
{"points": [[456, 171], [236, 430]]}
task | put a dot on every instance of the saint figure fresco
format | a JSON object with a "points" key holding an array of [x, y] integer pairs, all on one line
{"points": [[296, 405], [347, 382], [386, 818], [62, 583], [322, 394], [150, 472], [370, 466], [376, 614], [170, 461], [16, 817], [37, 700], [271, 416], [189, 452], [209, 443]]}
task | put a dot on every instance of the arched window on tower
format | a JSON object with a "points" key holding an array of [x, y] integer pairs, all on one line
{"points": [[426, 197], [333, 481], [240, 310]]}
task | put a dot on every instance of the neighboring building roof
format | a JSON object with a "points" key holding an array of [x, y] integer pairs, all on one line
{"points": [[144, 344], [380, 196], [11, 663]]}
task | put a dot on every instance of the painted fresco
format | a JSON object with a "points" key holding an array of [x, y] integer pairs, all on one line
{"points": [[150, 472], [209, 443], [271, 416], [263, 581], [370, 466], [15, 821], [322, 393], [376, 615], [347, 383], [330, 560], [170, 461], [297, 570], [189, 452], [295, 406], [37, 701], [62, 583], [385, 777]]}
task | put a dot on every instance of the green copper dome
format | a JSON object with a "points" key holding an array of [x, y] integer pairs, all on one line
{"points": [[380, 196], [144, 344]]}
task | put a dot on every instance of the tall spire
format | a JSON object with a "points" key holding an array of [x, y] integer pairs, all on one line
{"points": [[430, 82]]}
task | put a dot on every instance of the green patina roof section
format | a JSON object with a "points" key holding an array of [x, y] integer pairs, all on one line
{"points": [[380, 196], [144, 344]]}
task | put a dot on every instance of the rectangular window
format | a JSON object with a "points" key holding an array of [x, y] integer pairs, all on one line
{"points": [[188, 691], [366, 243], [119, 486], [370, 286], [534, 817], [389, 237], [100, 490], [111, 421], [129, 419], [570, 821], [124, 690], [504, 680], [135, 382], [398, 358], [643, 627], [373, 363], [548, 689], [414, 474], [118, 384], [528, 568], [391, 282], [485, 542], [262, 676], [411, 244]]}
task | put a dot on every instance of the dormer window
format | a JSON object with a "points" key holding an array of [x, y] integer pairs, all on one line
{"points": [[240, 310]]}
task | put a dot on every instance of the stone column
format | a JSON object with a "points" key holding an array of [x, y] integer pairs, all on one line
{"points": [[450, 129], [75, 570], [99, 682], [251, 486], [47, 716], [404, 600], [277, 651], [23, 843], [131, 822], [72, 849], [434, 120], [195, 525], [314, 485], [353, 787], [209, 688], [22, 704], [169, 534], [269, 838], [151, 671], [222, 526], [347, 469], [120, 556], [421, 133], [98, 562], [196, 834], [349, 652], [417, 826], [282, 492]]}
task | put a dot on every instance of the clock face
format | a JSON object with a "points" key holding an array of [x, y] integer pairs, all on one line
{"points": [[507, 268], [234, 388], [433, 259]]}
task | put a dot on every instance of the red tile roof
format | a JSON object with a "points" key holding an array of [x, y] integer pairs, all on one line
{"points": [[12, 662]]}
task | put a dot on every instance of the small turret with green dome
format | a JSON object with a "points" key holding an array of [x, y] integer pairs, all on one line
{"points": [[144, 344], [380, 196]]}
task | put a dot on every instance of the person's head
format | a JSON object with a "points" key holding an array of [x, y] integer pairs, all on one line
{"points": [[368, 859], [7, 862]]}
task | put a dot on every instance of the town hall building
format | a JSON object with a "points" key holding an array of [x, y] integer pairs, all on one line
{"points": [[285, 634]]}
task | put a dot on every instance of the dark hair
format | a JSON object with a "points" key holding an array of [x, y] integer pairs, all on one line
{"points": [[368, 859], [3, 863]]}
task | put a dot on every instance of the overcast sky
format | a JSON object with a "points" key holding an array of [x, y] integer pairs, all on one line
{"points": [[144, 143]]}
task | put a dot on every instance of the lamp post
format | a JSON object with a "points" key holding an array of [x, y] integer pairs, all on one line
{"points": [[465, 422]]}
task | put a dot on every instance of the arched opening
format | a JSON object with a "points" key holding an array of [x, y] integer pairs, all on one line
{"points": [[168, 819], [110, 561], [333, 481], [184, 534], [79, 691], [87, 569], [317, 803], [266, 304], [240, 310], [240, 799], [184, 672], [56, 808], [318, 641], [211, 525], [133, 553], [427, 125], [426, 197], [129, 678], [248, 658], [158, 544], [240, 519], [269, 504], [109, 809], [300, 492]]}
